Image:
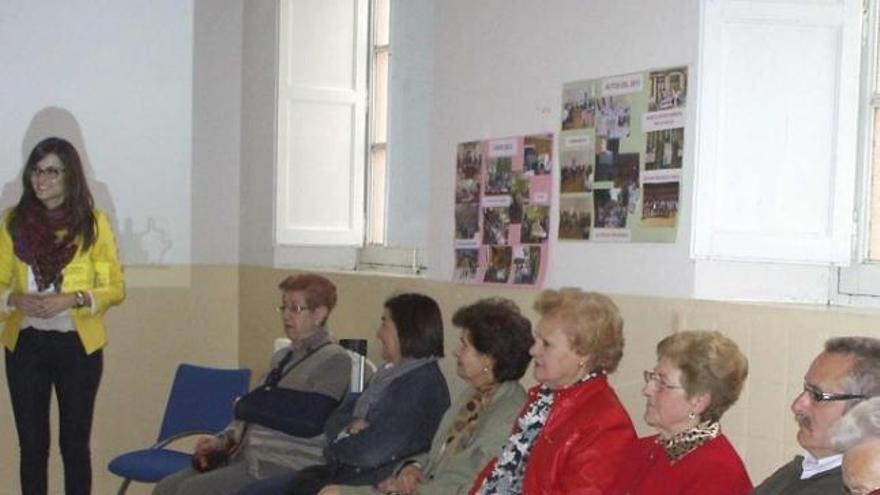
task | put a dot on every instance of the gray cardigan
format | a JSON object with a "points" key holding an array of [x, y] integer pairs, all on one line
{"points": [[328, 372]]}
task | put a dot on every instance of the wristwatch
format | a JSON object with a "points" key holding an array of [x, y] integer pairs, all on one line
{"points": [[80, 299]]}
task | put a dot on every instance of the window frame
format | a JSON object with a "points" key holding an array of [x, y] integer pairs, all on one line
{"points": [[859, 283], [376, 198], [334, 102]]}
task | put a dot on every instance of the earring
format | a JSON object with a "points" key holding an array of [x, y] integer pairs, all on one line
{"points": [[580, 364], [485, 369], [692, 415]]}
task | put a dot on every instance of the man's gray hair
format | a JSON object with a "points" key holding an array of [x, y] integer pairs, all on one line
{"points": [[864, 378], [860, 423]]}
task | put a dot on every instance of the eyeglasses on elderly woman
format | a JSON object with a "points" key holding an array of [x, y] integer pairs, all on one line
{"points": [[659, 380], [293, 308]]}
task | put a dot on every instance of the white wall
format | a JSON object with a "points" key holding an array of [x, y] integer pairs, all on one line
{"points": [[259, 62], [116, 78], [500, 67], [216, 142]]}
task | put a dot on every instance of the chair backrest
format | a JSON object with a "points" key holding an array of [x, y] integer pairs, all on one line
{"points": [[202, 398]]}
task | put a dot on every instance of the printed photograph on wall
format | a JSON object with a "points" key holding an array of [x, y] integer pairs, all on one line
{"points": [[467, 221], [660, 206], [575, 217], [578, 106], [498, 261], [526, 264], [502, 209], [466, 261], [576, 170], [621, 152]]}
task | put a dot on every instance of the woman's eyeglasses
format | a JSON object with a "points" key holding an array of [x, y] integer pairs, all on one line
{"points": [[819, 396], [51, 173], [659, 380], [293, 308]]}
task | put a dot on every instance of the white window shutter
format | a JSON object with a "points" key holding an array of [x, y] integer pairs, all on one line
{"points": [[321, 128], [777, 130]]}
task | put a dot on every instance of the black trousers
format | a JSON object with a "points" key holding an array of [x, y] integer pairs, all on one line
{"points": [[44, 360]]}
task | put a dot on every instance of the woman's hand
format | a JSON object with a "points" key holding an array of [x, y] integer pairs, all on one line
{"points": [[409, 478], [388, 485], [206, 445], [29, 304], [52, 304], [357, 426]]}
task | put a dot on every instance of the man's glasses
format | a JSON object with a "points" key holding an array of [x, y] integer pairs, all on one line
{"points": [[658, 379], [819, 396], [293, 308], [51, 173]]}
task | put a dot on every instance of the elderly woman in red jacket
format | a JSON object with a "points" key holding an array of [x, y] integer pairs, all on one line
{"points": [[571, 436], [698, 376]]}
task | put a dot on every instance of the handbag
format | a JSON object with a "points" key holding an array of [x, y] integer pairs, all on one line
{"points": [[294, 412]]}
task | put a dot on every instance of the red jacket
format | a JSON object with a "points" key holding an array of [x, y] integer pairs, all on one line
{"points": [[581, 447], [714, 468]]}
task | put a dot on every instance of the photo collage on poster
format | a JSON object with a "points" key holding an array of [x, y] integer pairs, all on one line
{"points": [[502, 210], [620, 157]]}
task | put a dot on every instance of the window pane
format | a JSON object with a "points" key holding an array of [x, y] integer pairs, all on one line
{"points": [[380, 97], [380, 22], [376, 208], [874, 234]]}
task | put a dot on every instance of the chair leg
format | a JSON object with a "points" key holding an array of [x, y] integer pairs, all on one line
{"points": [[123, 487]]}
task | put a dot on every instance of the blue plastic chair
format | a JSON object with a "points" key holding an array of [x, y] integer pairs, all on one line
{"points": [[200, 403]]}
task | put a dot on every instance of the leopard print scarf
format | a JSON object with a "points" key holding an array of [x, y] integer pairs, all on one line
{"points": [[682, 444]]}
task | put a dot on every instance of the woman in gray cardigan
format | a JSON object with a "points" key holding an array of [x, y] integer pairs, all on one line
{"points": [[493, 353], [313, 366]]}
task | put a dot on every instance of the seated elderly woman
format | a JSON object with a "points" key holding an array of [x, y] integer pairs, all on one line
{"points": [[492, 355], [312, 368], [397, 414], [698, 376], [573, 432]]}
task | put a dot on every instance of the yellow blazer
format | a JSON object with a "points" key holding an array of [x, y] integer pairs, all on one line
{"points": [[97, 270]]}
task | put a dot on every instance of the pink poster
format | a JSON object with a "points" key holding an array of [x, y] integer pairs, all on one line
{"points": [[502, 210]]}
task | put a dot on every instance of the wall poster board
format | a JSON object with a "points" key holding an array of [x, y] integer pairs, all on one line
{"points": [[503, 190], [620, 157]]}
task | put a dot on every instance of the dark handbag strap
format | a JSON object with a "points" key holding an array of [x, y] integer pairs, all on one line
{"points": [[279, 372]]}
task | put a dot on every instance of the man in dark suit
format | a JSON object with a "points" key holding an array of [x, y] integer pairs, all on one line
{"points": [[844, 374]]}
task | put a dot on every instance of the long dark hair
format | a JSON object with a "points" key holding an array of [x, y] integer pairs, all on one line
{"points": [[77, 197]]}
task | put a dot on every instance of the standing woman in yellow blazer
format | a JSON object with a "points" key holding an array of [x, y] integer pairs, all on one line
{"points": [[60, 272]]}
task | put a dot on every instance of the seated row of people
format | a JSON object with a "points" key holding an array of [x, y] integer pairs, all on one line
{"points": [[569, 434]]}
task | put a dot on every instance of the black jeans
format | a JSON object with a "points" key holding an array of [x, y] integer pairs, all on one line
{"points": [[43, 360]]}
